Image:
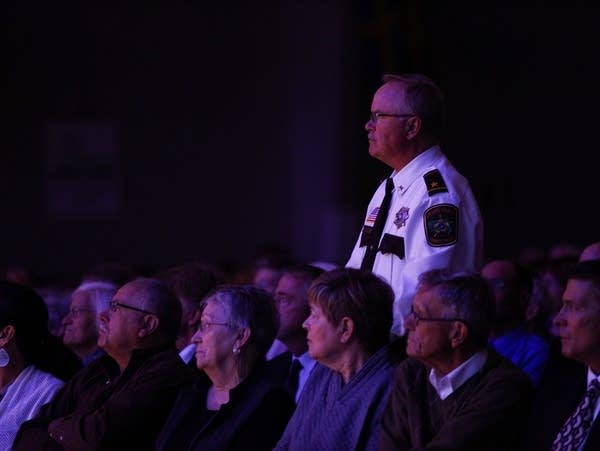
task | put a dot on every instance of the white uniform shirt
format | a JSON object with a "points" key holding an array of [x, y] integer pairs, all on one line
{"points": [[413, 210]]}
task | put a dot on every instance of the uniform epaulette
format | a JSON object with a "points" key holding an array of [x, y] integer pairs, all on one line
{"points": [[435, 182]]}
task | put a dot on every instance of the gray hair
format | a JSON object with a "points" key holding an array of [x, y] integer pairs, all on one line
{"points": [[424, 98], [468, 295], [253, 308], [99, 293]]}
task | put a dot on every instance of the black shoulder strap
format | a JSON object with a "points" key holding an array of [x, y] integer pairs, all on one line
{"points": [[435, 182]]}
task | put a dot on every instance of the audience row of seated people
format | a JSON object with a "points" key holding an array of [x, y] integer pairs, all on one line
{"points": [[468, 374]]}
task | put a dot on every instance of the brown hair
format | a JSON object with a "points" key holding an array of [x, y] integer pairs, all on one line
{"points": [[360, 296]]}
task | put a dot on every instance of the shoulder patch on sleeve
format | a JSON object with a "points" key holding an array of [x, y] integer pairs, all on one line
{"points": [[441, 225], [435, 182]]}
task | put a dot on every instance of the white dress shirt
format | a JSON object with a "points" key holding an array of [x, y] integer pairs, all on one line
{"points": [[448, 384]]}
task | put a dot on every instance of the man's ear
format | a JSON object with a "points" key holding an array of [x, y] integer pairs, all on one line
{"points": [[7, 333], [458, 333], [413, 127], [346, 329], [149, 325]]}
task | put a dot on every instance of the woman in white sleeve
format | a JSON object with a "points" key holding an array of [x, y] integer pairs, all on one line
{"points": [[33, 363]]}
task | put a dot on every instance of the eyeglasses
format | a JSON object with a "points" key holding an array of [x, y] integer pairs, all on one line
{"points": [[375, 115], [205, 326], [75, 312], [114, 306], [414, 316]]}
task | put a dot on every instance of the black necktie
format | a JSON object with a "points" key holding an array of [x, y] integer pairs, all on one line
{"points": [[291, 383], [382, 214]]}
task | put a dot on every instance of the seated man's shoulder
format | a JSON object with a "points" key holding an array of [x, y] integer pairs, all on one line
{"points": [[168, 362], [408, 376], [96, 373], [500, 373]]}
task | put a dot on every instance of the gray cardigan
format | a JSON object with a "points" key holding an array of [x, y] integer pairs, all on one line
{"points": [[332, 415]]}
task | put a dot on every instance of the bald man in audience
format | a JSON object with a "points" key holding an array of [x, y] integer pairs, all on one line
{"points": [[119, 401], [590, 252]]}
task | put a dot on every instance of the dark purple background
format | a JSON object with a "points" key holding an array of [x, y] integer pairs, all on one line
{"points": [[237, 126]]}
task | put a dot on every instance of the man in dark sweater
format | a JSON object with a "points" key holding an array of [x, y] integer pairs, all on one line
{"points": [[121, 400], [453, 392]]}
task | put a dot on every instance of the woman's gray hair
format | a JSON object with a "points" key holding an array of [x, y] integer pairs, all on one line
{"points": [[469, 297], [253, 308]]}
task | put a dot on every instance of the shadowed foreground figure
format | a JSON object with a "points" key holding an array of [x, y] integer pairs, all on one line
{"points": [[511, 286], [453, 393], [190, 282], [120, 400]]}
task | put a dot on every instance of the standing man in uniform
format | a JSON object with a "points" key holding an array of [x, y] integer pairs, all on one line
{"points": [[424, 216]]}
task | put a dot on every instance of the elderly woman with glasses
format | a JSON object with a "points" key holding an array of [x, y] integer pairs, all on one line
{"points": [[348, 330], [237, 405], [33, 363]]}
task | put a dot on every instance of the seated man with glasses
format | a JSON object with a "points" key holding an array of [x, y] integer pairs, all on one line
{"points": [[81, 323], [121, 400], [453, 392]]}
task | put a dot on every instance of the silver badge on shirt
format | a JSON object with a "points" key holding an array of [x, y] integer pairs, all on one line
{"points": [[401, 217]]}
